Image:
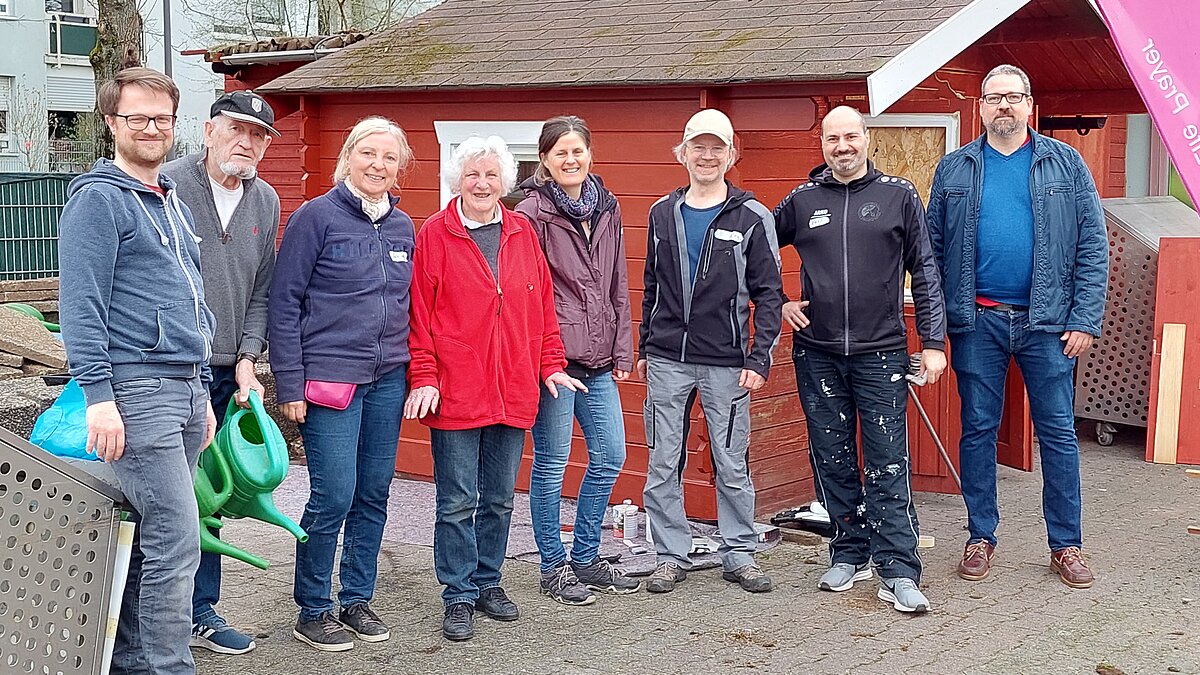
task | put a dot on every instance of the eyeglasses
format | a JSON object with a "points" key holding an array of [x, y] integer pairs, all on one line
{"points": [[139, 122], [1013, 97], [714, 150]]}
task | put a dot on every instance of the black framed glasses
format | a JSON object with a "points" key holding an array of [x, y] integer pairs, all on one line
{"points": [[1013, 97], [139, 122]]}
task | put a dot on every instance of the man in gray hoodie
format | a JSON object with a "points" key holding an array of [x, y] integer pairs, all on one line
{"points": [[138, 338], [236, 215]]}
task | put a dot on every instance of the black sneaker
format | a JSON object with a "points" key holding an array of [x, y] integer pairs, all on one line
{"points": [[364, 622], [495, 603], [561, 585], [459, 623], [324, 633], [602, 576]]}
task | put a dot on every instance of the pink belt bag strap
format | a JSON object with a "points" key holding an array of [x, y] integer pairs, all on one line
{"points": [[336, 395]]}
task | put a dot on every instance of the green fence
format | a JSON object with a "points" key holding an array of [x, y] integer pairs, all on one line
{"points": [[30, 204]]}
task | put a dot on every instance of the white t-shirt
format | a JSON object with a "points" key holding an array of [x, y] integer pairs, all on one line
{"points": [[226, 201]]}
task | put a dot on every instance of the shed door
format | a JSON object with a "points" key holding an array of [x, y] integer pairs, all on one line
{"points": [[911, 146]]}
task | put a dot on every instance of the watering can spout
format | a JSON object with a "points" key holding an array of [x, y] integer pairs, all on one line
{"points": [[260, 507], [211, 544]]}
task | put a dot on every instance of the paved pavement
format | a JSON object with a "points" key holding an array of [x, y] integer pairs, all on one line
{"points": [[1142, 616]]}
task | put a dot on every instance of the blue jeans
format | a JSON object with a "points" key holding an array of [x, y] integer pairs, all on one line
{"points": [[599, 415], [164, 428], [474, 473], [208, 576], [351, 460], [873, 518], [980, 360]]}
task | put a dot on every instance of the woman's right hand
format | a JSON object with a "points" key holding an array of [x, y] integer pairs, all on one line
{"points": [[294, 410], [421, 401]]}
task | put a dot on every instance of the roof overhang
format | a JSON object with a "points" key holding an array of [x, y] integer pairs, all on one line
{"points": [[935, 49]]}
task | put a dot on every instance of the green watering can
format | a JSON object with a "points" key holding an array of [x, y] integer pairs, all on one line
{"points": [[245, 463]]}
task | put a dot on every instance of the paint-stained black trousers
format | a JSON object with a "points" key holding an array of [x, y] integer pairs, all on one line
{"points": [[873, 519]]}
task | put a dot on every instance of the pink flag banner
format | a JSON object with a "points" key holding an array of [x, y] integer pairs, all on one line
{"points": [[1159, 41]]}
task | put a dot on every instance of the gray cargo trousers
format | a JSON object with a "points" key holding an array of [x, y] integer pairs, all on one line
{"points": [[671, 390]]}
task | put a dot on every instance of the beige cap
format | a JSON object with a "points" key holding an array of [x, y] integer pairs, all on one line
{"points": [[709, 121]]}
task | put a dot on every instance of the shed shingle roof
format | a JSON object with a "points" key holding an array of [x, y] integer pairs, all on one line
{"points": [[485, 44]]}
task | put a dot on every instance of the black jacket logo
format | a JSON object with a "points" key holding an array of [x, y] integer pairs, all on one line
{"points": [[869, 212]]}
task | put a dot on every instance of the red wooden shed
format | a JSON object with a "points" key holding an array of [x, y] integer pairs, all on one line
{"points": [[636, 71]]}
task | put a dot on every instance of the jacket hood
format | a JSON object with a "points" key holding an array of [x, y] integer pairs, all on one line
{"points": [[735, 196], [532, 189], [105, 171], [823, 175]]}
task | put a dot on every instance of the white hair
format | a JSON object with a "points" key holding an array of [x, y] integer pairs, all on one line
{"points": [[475, 148]]}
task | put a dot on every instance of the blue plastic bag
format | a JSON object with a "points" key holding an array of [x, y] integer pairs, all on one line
{"points": [[62, 429]]}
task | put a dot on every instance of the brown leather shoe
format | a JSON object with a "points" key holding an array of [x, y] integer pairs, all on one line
{"points": [[1071, 567], [976, 560]]}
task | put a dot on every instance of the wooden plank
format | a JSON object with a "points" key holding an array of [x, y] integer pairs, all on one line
{"points": [[1170, 386], [1193, 473]]}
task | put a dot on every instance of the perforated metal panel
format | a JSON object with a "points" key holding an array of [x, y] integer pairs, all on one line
{"points": [[57, 546], [1113, 379]]}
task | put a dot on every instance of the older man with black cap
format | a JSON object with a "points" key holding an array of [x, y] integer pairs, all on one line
{"points": [[236, 216], [711, 251]]}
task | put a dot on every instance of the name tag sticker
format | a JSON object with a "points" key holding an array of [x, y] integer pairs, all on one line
{"points": [[399, 256], [728, 235]]}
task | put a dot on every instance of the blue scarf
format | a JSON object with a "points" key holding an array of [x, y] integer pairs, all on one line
{"points": [[579, 209]]}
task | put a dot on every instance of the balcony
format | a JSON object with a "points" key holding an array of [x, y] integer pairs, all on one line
{"points": [[71, 35]]}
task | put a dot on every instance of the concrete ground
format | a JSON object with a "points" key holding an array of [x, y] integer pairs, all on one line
{"points": [[1142, 616]]}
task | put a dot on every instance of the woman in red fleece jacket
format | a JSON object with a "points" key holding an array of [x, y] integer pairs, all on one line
{"points": [[484, 335]]}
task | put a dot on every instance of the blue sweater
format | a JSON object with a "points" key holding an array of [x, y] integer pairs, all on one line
{"points": [[339, 301], [1004, 241], [131, 298]]}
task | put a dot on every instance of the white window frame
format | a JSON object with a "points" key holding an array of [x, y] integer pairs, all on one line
{"points": [[521, 137], [948, 122], [5, 8], [7, 105]]}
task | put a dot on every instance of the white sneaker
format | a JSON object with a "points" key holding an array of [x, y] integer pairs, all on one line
{"points": [[903, 595], [842, 576]]}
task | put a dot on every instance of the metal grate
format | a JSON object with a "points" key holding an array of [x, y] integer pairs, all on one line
{"points": [[1112, 381], [57, 546], [30, 206]]}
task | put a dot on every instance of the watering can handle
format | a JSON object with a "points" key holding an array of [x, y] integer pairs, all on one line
{"points": [[260, 412]]}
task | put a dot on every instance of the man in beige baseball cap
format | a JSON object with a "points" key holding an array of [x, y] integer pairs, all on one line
{"points": [[711, 250]]}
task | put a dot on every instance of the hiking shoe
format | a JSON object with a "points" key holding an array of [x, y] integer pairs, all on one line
{"points": [[324, 633], [459, 622], [903, 595], [664, 578], [843, 576], [213, 634], [602, 576], [364, 622], [561, 584], [750, 577], [494, 602], [1071, 567], [976, 560]]}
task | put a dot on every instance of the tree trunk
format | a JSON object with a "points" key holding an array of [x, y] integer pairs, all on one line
{"points": [[118, 46]]}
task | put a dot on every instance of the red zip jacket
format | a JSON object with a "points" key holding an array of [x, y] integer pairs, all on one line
{"points": [[487, 347]]}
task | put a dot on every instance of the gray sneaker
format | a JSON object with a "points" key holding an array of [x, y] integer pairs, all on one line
{"points": [[664, 578], [903, 595], [750, 577], [324, 633], [842, 576], [561, 584], [602, 576]]}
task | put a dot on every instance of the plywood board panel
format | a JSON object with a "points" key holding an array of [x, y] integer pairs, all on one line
{"points": [[909, 152], [1170, 388]]}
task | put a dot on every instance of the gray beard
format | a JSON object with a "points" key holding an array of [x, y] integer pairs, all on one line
{"points": [[1004, 128], [243, 172]]}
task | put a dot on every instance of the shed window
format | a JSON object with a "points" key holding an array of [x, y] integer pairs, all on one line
{"points": [[4, 7], [5, 106], [521, 138]]}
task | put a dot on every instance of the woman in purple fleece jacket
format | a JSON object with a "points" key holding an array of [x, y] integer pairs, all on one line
{"points": [[338, 319], [578, 222]]}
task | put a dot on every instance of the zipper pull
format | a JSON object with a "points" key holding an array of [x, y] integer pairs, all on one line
{"points": [[501, 294]]}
